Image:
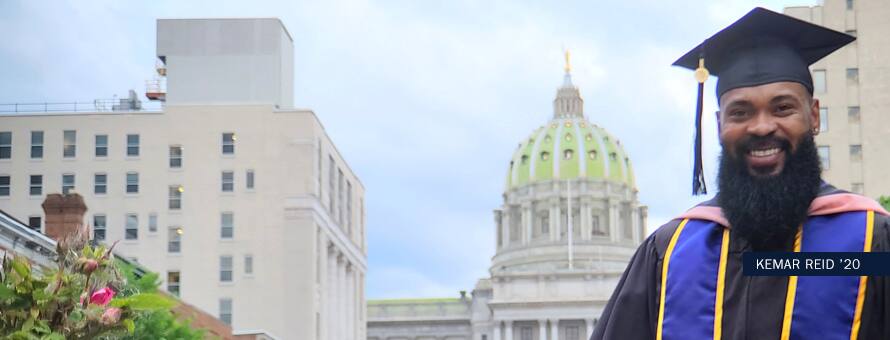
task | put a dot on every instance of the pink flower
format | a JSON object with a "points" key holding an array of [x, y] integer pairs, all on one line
{"points": [[102, 296], [111, 316]]}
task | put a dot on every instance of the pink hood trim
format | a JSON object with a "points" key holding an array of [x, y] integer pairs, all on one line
{"points": [[822, 205]]}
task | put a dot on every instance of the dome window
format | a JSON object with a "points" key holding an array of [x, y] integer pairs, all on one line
{"points": [[613, 156], [582, 124], [545, 156], [606, 138], [592, 154], [567, 154], [626, 160], [589, 137], [511, 165], [568, 137], [568, 124], [524, 159], [547, 139], [554, 125]]}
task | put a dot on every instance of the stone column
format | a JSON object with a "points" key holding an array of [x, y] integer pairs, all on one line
{"points": [[542, 329], [589, 327], [350, 303], [586, 225], [323, 301], [528, 222], [341, 299], [497, 330], [554, 329], [330, 289], [555, 220], [508, 329], [505, 227]]}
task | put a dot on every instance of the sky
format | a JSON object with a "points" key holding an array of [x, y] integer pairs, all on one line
{"points": [[426, 100]]}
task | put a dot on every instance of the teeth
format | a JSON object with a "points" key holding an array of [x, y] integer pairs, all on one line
{"points": [[764, 153]]}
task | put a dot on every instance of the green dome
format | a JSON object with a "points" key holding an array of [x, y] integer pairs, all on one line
{"points": [[568, 148]]}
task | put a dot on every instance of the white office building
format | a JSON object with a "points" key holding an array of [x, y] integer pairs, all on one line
{"points": [[239, 200]]}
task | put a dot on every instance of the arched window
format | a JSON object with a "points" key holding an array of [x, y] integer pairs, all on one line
{"points": [[589, 137], [567, 154], [545, 156], [592, 154], [568, 137], [613, 156], [524, 159]]}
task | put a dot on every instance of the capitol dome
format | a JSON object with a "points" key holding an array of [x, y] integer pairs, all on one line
{"points": [[581, 149], [570, 199]]}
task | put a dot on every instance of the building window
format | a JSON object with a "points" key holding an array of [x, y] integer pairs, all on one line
{"points": [[132, 229], [152, 222], [850, 4], [573, 333], [340, 197], [853, 114], [34, 223], [227, 225], [174, 201], [567, 154], [228, 181], [101, 145], [133, 145], [597, 228], [825, 157], [175, 156], [348, 219], [545, 156], [823, 119], [591, 154], [856, 153], [857, 188], [852, 76], [225, 311], [99, 227], [132, 182], [5, 145], [332, 184], [174, 239], [100, 184], [173, 283], [228, 143], [67, 183], [525, 333], [36, 144], [225, 268], [248, 264], [4, 186], [249, 179], [36, 188], [69, 143], [819, 85], [545, 221]]}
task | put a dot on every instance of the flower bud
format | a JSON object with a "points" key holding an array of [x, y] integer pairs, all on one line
{"points": [[110, 316], [90, 266]]}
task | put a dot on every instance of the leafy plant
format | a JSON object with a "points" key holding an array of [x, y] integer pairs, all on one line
{"points": [[85, 296], [885, 201]]}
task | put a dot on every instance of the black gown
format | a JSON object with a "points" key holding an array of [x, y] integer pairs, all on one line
{"points": [[753, 306]]}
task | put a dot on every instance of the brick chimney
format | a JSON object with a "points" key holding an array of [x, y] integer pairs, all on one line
{"points": [[64, 214]]}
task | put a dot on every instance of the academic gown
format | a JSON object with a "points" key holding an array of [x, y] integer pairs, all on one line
{"points": [[753, 305]]}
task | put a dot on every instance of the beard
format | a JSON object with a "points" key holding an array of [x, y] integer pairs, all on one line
{"points": [[767, 210]]}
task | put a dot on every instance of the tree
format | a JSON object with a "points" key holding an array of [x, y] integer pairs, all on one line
{"points": [[885, 201], [159, 324]]}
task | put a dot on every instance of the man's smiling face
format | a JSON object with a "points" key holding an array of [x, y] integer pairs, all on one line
{"points": [[763, 124]]}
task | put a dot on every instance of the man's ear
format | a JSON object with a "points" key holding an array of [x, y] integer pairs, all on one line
{"points": [[814, 115]]}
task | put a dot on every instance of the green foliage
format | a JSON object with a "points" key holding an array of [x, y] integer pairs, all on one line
{"points": [[885, 201], [88, 295]]}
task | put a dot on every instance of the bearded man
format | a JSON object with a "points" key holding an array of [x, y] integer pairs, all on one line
{"points": [[686, 281]]}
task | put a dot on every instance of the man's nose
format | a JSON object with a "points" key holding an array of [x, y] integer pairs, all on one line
{"points": [[762, 124]]}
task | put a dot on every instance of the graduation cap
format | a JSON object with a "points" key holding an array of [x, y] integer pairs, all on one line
{"points": [[760, 48]]}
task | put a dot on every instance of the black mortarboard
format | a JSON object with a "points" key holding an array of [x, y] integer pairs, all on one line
{"points": [[760, 48]]}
